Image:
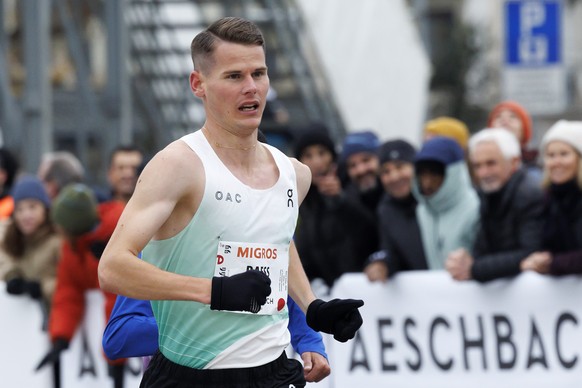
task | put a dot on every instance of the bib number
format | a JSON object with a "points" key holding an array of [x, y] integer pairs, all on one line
{"points": [[272, 259]]}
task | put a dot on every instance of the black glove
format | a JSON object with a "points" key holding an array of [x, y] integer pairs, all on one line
{"points": [[97, 248], [54, 353], [33, 289], [245, 291], [16, 286], [339, 317]]}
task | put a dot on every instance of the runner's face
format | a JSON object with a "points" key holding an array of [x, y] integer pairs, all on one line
{"points": [[234, 88]]}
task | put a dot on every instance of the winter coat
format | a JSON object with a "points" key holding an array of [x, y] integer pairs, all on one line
{"points": [[562, 234], [369, 200], [510, 229], [448, 219], [38, 263], [6, 206], [77, 273], [334, 235], [400, 235]]}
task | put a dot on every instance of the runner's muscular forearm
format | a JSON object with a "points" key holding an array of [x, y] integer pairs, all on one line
{"points": [[122, 272], [118, 276]]}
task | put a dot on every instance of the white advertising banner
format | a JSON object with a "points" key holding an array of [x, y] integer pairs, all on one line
{"points": [[83, 365], [24, 344], [422, 329]]}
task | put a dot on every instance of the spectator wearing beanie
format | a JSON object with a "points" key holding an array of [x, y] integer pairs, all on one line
{"points": [[561, 252], [448, 206], [360, 160], [515, 118], [569, 133], [447, 127], [30, 246], [86, 227], [333, 232], [316, 137], [400, 241]]}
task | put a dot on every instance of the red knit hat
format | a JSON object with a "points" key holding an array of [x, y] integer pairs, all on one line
{"points": [[519, 111]]}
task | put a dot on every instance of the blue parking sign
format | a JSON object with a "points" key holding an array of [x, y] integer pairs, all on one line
{"points": [[533, 32]]}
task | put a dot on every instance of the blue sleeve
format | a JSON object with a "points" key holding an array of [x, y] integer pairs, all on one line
{"points": [[303, 338], [131, 331]]}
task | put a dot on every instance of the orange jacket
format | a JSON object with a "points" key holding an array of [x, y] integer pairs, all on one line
{"points": [[6, 207], [77, 273]]}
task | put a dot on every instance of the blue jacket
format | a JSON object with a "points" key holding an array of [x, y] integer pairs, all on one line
{"points": [[132, 330]]}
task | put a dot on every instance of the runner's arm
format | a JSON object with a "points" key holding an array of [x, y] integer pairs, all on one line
{"points": [[157, 195], [303, 338]]}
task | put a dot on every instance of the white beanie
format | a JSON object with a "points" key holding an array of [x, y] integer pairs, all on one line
{"points": [[567, 131]]}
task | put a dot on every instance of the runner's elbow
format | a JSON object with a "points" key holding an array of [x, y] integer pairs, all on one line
{"points": [[106, 275]]}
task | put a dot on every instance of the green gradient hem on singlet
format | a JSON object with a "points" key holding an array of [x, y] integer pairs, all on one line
{"points": [[211, 336], [190, 333]]}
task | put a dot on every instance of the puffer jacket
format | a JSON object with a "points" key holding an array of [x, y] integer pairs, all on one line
{"points": [[77, 273]]}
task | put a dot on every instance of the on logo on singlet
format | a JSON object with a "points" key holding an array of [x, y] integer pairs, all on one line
{"points": [[290, 202]]}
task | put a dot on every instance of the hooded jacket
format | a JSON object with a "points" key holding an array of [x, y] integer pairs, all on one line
{"points": [[449, 218]]}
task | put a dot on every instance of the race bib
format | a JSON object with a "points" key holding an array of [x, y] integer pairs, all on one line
{"points": [[272, 259]]}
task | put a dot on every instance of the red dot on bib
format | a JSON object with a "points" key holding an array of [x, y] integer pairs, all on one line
{"points": [[280, 304]]}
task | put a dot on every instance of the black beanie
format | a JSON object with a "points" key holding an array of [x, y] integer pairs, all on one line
{"points": [[396, 150], [314, 136]]}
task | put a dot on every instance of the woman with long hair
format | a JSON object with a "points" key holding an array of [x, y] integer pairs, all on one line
{"points": [[562, 234]]}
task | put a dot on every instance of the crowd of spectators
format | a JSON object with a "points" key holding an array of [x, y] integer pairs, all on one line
{"points": [[481, 205], [52, 241]]}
